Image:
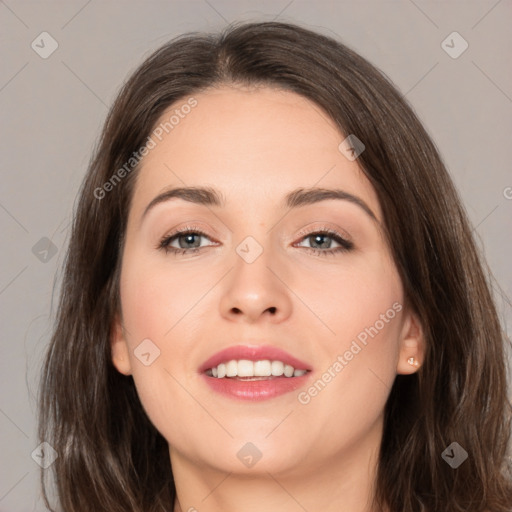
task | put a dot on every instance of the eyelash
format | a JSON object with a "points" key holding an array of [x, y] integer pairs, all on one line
{"points": [[345, 245]]}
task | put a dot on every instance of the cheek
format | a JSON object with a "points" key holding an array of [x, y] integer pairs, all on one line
{"points": [[365, 314], [155, 296], [359, 299], [160, 305]]}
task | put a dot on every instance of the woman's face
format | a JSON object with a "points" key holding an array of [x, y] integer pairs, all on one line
{"points": [[261, 276]]}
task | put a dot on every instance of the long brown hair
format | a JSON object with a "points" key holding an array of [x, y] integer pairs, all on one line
{"points": [[111, 458]]}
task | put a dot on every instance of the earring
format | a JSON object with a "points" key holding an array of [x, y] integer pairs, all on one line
{"points": [[413, 362]]}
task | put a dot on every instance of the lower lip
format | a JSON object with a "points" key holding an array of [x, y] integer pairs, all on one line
{"points": [[255, 389]]}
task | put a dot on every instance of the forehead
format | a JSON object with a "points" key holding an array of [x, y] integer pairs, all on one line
{"points": [[255, 145]]}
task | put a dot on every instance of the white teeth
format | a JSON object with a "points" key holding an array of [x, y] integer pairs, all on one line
{"points": [[231, 369], [262, 368], [277, 368], [221, 371], [246, 368], [288, 370]]}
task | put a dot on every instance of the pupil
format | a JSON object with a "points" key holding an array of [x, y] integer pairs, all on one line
{"points": [[188, 239], [319, 237]]}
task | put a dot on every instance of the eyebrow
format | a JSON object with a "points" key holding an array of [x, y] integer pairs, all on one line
{"points": [[208, 196]]}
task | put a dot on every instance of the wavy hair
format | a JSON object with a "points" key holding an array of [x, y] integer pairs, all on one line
{"points": [[111, 457]]}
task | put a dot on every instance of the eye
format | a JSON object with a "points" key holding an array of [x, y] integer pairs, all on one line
{"points": [[188, 239], [322, 242]]}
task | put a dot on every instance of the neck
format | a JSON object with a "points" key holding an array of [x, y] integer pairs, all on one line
{"points": [[345, 482]]}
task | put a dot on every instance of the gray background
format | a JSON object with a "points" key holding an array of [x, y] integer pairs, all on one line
{"points": [[53, 108]]}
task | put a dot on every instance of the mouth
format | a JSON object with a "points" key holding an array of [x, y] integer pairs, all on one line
{"points": [[247, 370], [254, 372]]}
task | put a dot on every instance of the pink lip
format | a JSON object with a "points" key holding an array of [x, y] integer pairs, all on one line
{"points": [[255, 390], [258, 389], [253, 353]]}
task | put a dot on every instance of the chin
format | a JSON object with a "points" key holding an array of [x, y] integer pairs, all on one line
{"points": [[251, 455]]}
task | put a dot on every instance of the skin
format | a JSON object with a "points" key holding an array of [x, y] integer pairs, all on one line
{"points": [[255, 146]]}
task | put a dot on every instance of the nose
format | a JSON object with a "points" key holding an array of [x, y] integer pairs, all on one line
{"points": [[256, 291]]}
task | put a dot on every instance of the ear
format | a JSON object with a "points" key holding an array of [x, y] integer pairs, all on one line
{"points": [[119, 348], [412, 344]]}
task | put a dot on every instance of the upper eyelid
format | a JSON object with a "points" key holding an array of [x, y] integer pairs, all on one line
{"points": [[346, 244], [302, 234], [342, 233]]}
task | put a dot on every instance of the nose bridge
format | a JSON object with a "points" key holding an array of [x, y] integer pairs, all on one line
{"points": [[253, 288]]}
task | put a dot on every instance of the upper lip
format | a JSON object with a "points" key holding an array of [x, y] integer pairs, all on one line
{"points": [[253, 353]]}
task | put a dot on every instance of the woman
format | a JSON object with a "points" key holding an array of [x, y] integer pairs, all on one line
{"points": [[272, 299]]}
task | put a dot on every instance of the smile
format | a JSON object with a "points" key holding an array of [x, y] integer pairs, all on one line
{"points": [[254, 369], [254, 372]]}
